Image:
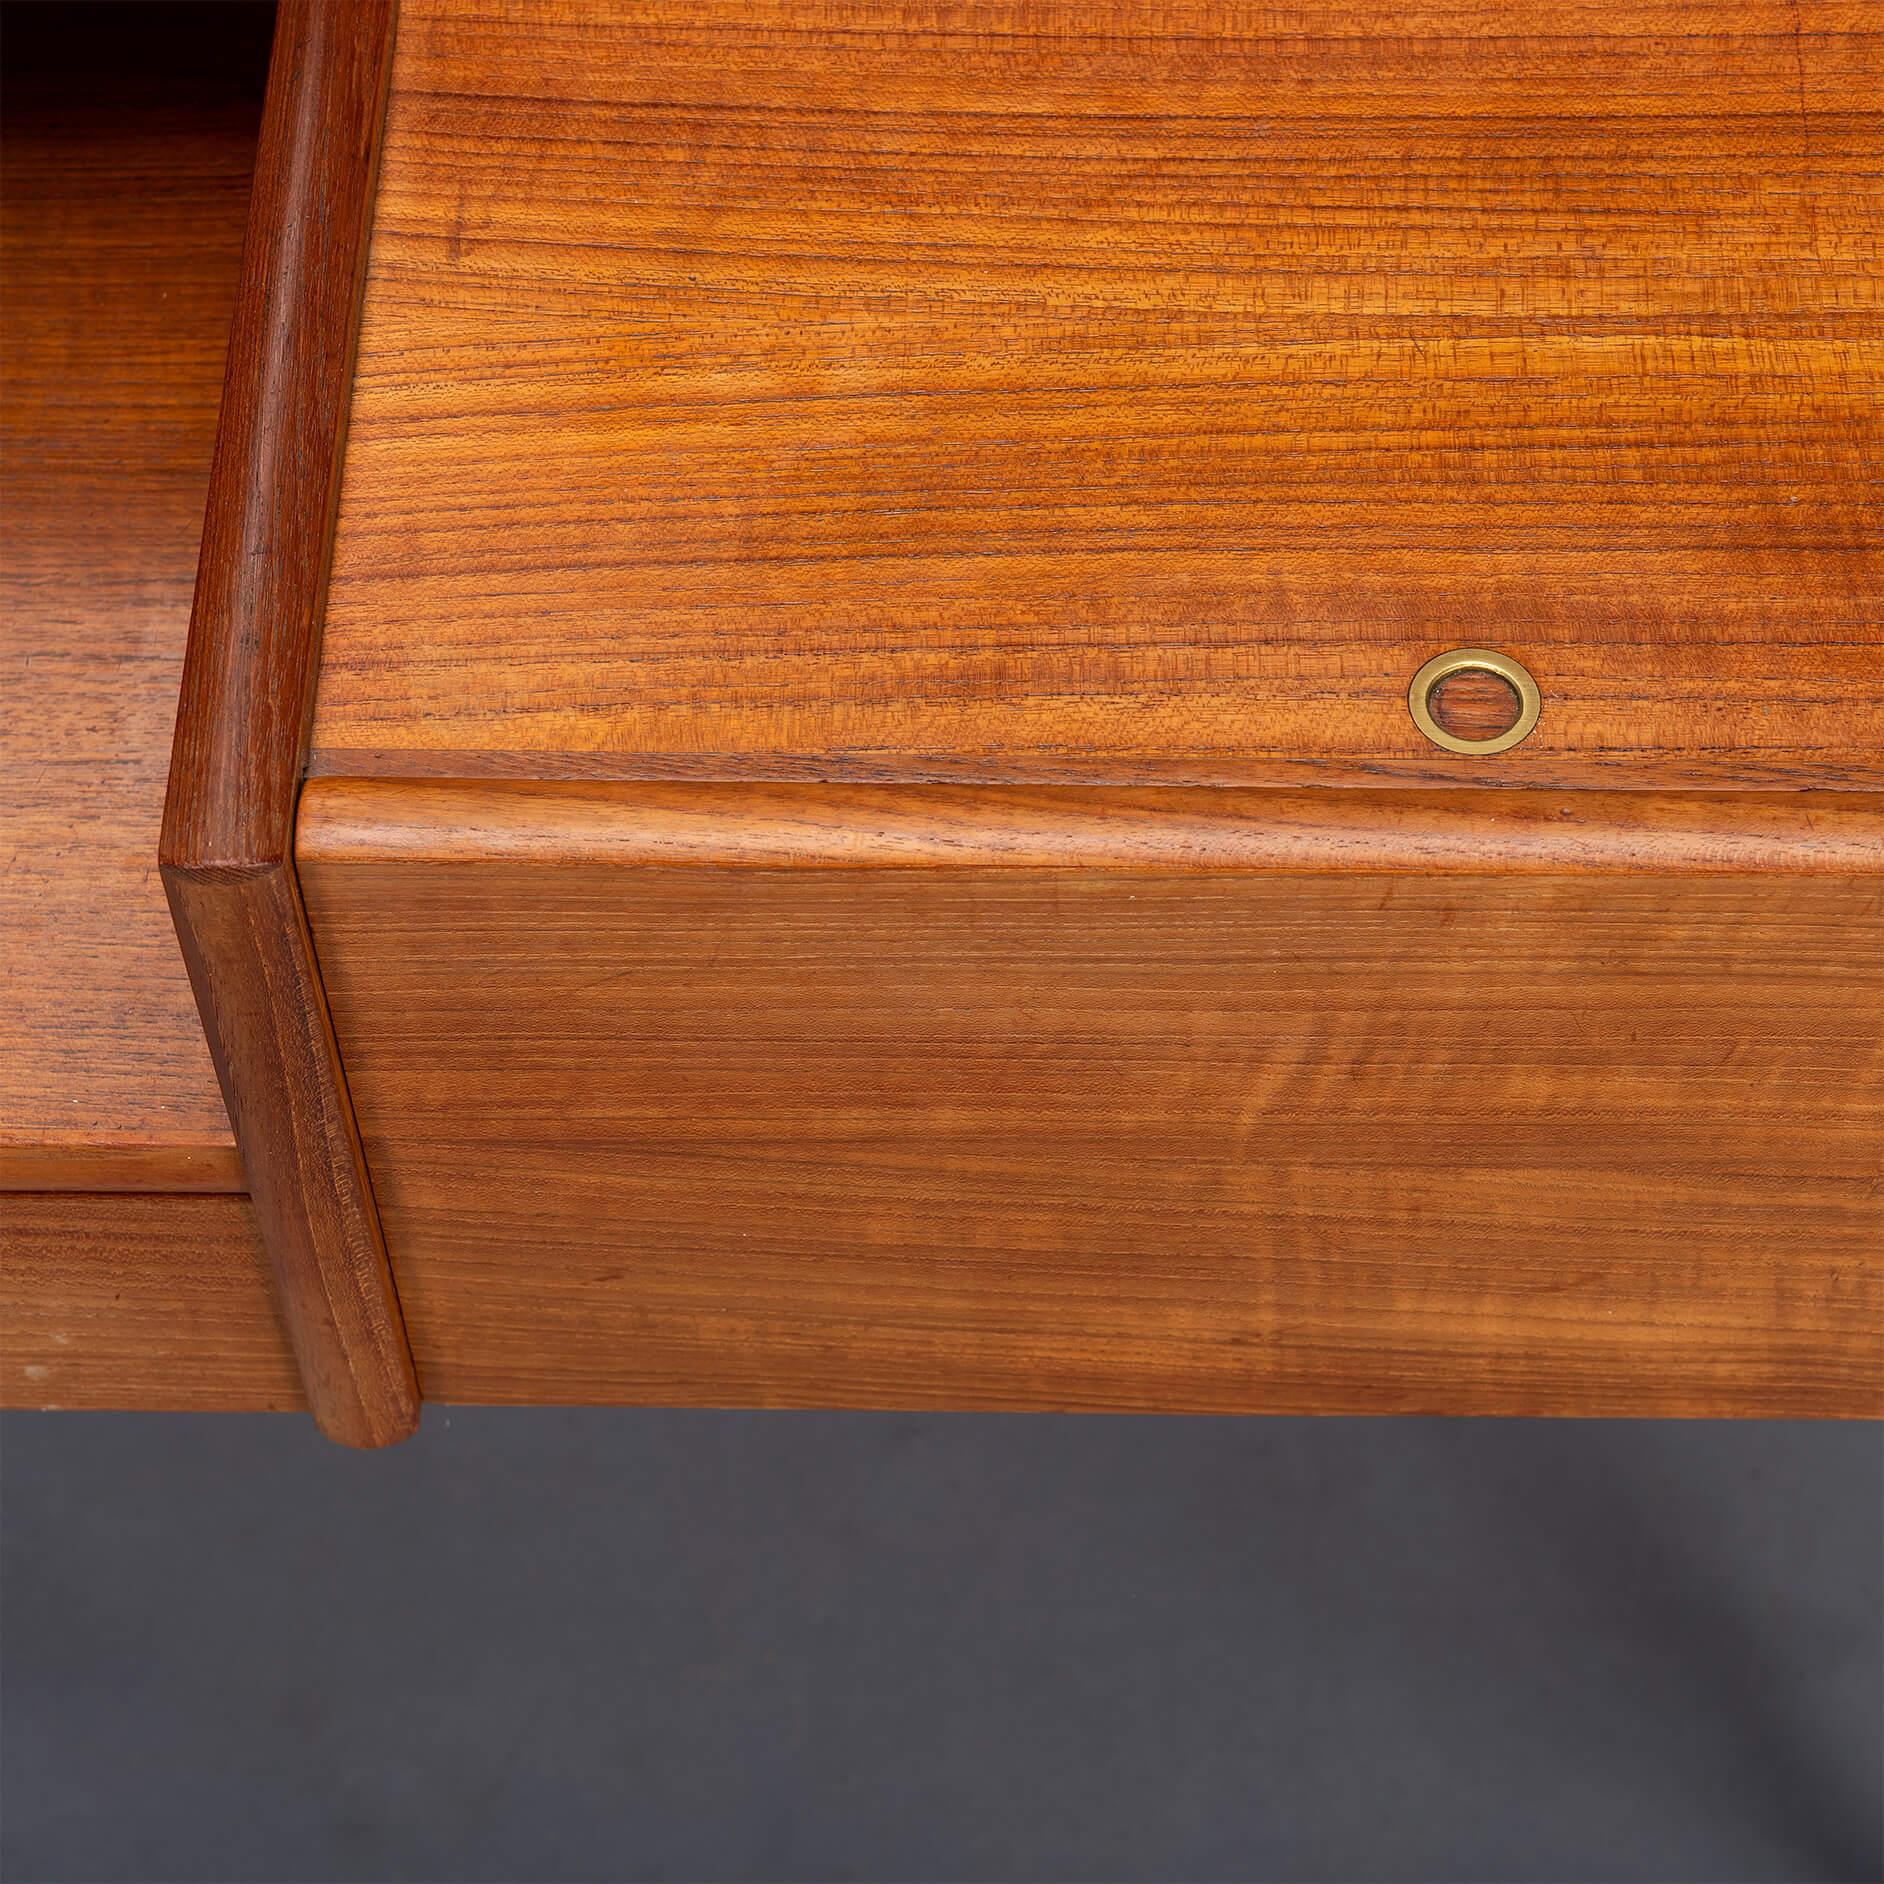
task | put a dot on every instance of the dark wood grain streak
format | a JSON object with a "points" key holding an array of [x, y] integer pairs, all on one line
{"points": [[242, 725]]}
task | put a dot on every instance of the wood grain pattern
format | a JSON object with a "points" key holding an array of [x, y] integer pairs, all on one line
{"points": [[149, 1302], [241, 727], [1093, 1114], [58, 1164], [1131, 393], [127, 134], [548, 824]]}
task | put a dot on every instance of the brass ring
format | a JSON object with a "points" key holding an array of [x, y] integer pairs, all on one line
{"points": [[1474, 660]]}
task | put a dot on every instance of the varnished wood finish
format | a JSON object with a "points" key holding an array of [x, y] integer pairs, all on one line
{"points": [[549, 825], [149, 1301], [58, 1165], [127, 134], [242, 723], [1133, 392], [711, 1097]]}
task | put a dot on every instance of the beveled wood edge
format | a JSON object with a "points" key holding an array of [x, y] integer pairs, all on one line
{"points": [[246, 704], [1004, 827]]}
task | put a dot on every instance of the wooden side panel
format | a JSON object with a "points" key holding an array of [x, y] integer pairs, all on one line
{"points": [[248, 686], [152, 1302], [1118, 391], [975, 1124]]}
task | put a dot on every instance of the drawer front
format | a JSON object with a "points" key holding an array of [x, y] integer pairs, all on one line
{"points": [[1110, 1100]]}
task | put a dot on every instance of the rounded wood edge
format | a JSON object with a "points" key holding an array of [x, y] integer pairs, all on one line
{"points": [[999, 827], [246, 700], [251, 961]]}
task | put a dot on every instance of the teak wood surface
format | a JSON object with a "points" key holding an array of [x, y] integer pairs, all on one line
{"points": [[1135, 392], [148, 1301], [127, 135], [1029, 396], [1136, 1100], [762, 409], [549, 824], [247, 691]]}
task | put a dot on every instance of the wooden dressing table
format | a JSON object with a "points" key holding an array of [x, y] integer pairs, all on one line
{"points": [[1145, 707]]}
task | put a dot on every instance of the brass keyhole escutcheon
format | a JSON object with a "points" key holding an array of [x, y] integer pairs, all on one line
{"points": [[1474, 689]]}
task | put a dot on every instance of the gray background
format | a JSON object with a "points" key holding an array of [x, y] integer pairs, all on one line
{"points": [[545, 1645]]}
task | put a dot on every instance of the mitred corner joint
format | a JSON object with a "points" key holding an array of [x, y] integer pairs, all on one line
{"points": [[227, 852]]}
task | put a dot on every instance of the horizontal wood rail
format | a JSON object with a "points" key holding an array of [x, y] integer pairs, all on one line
{"points": [[938, 826]]}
